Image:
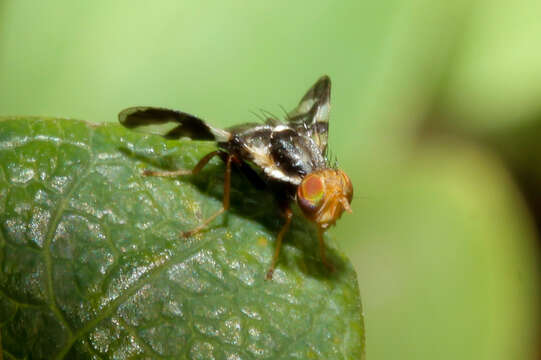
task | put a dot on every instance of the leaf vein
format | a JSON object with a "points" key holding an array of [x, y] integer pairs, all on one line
{"points": [[113, 305], [137, 338], [47, 243]]}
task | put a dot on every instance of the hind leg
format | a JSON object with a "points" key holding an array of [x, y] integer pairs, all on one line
{"points": [[197, 168], [225, 200]]}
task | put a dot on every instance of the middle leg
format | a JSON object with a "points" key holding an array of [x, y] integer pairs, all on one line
{"points": [[281, 234]]}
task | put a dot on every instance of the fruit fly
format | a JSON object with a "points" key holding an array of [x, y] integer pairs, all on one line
{"points": [[287, 156]]}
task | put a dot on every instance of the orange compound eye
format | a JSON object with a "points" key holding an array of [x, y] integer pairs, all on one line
{"points": [[310, 193]]}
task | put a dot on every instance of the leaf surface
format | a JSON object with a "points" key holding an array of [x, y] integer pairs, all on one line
{"points": [[93, 265]]}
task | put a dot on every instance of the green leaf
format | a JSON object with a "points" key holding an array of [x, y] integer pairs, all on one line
{"points": [[93, 265]]}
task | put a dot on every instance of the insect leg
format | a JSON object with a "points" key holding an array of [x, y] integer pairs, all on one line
{"points": [[279, 238], [324, 260], [200, 165], [225, 201]]}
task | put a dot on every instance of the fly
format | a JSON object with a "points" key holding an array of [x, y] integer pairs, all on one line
{"points": [[287, 156]]}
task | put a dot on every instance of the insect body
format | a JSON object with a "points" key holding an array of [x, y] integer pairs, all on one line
{"points": [[288, 155]]}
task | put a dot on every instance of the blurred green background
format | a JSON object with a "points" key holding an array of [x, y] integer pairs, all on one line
{"points": [[436, 118]]}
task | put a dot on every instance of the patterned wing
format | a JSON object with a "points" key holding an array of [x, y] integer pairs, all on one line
{"points": [[171, 124], [311, 116]]}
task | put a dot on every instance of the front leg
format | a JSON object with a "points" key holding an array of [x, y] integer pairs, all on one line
{"points": [[324, 260]]}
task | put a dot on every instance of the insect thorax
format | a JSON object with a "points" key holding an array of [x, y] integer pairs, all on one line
{"points": [[279, 152]]}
